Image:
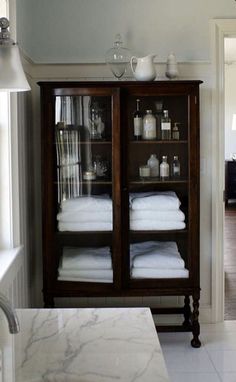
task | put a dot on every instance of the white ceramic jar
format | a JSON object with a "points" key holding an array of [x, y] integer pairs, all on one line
{"points": [[171, 67]]}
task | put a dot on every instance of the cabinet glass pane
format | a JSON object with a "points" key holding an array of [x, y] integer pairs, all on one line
{"points": [[83, 157], [158, 187], [83, 146], [86, 264]]}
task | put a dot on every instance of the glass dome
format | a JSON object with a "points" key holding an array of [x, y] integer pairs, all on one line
{"points": [[118, 57]]}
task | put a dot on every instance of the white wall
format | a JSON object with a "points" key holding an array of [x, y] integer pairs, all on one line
{"points": [[230, 109], [66, 31]]}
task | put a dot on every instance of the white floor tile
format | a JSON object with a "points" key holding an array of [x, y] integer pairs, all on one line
{"points": [[219, 327], [219, 341], [228, 377], [175, 341], [194, 377], [189, 360], [223, 360], [215, 361]]}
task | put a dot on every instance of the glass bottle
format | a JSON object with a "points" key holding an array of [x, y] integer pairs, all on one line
{"points": [[153, 163], [175, 168], [101, 166], [149, 126], [159, 107], [96, 124], [175, 132], [138, 122], [164, 169], [165, 126]]}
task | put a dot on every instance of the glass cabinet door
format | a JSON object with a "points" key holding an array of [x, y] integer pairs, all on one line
{"points": [[157, 183], [83, 184]]}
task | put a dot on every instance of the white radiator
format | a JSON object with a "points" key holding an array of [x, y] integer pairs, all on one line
{"points": [[13, 280]]}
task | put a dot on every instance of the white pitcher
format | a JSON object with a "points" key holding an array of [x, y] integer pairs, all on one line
{"points": [[145, 69]]}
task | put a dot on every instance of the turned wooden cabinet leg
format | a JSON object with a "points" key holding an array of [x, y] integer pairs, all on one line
{"points": [[187, 312], [195, 324]]}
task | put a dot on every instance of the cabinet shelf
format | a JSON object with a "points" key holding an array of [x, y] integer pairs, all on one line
{"points": [[62, 234], [165, 232], [96, 142], [93, 182], [159, 142], [86, 143], [158, 181]]}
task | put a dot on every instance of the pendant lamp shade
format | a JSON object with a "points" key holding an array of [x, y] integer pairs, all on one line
{"points": [[12, 76]]}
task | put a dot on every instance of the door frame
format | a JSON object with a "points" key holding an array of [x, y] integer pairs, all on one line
{"points": [[220, 28]]}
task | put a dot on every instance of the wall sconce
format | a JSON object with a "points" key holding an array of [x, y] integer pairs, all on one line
{"points": [[12, 76], [234, 122]]}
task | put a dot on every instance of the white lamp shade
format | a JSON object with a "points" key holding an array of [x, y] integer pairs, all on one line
{"points": [[12, 76]]}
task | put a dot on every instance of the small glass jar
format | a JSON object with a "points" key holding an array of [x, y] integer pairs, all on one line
{"points": [[149, 126], [144, 172], [89, 175], [153, 163]]}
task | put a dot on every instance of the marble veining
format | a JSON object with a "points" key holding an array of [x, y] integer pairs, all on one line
{"points": [[88, 345]]}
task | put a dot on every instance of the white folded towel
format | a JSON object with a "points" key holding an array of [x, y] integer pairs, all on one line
{"points": [[84, 279], [175, 215], [91, 274], [155, 225], [86, 258], [160, 259], [146, 246], [160, 201], [83, 226], [87, 203], [85, 216], [148, 273]]}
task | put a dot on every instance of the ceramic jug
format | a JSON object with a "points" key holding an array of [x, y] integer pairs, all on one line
{"points": [[145, 69]]}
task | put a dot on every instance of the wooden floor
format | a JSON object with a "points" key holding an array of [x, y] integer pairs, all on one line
{"points": [[230, 261]]}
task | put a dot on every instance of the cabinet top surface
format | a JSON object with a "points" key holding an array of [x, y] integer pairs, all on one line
{"points": [[118, 83]]}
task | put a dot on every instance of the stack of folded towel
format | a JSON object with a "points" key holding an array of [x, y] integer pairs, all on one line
{"points": [[86, 213], [155, 259], [86, 264], [155, 211]]}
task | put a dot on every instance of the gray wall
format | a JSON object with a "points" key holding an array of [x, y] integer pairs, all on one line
{"points": [[72, 31]]}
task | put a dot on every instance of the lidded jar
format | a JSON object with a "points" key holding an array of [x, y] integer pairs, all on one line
{"points": [[171, 66], [118, 57], [153, 163], [149, 126]]}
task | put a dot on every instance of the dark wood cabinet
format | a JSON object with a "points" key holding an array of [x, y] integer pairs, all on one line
{"points": [[89, 149], [230, 180]]}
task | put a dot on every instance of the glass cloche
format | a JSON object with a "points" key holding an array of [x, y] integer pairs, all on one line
{"points": [[118, 57]]}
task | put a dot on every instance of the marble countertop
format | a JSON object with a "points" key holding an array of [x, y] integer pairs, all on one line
{"points": [[82, 345]]}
